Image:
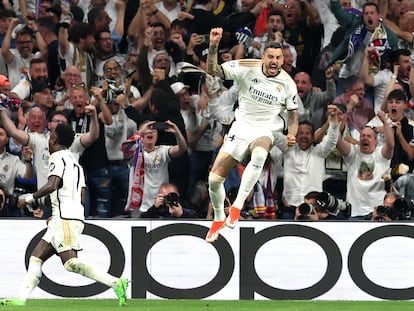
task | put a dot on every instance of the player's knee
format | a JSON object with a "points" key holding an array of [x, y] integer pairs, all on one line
{"points": [[258, 157], [215, 181], [73, 265]]}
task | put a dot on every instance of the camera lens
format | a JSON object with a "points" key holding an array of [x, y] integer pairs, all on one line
{"points": [[171, 199], [305, 209], [381, 210]]}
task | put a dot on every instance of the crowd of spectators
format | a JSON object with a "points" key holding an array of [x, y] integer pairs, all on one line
{"points": [[130, 78]]}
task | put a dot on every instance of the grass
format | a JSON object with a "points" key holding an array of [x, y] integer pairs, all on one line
{"points": [[212, 305]]}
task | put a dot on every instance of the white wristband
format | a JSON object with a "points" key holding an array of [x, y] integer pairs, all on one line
{"points": [[29, 199]]}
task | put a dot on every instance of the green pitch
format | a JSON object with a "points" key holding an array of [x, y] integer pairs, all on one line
{"points": [[209, 305]]}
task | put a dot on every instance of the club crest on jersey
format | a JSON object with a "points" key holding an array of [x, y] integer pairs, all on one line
{"points": [[5, 168], [278, 88]]}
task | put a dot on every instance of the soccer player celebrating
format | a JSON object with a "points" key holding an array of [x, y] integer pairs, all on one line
{"points": [[265, 92], [65, 187]]}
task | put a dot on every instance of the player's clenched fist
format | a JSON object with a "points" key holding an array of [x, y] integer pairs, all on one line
{"points": [[215, 35]]}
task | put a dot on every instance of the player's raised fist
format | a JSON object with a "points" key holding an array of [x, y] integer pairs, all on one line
{"points": [[215, 35]]}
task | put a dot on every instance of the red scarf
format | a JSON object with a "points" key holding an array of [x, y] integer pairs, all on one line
{"points": [[137, 182]]}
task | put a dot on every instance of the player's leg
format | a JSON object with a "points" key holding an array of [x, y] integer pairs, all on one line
{"points": [[223, 164], [259, 151], [40, 254], [74, 264]]}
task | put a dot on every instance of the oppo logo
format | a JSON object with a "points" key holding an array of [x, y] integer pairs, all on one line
{"points": [[250, 243]]}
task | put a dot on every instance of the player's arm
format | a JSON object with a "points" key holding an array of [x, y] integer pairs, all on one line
{"points": [[52, 184], [292, 127], [293, 122], [212, 65]]}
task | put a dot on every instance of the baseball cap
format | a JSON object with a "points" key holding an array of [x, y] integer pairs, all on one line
{"points": [[178, 86], [4, 81]]}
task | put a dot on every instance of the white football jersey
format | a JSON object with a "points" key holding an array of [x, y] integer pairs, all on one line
{"points": [[261, 99], [66, 201]]}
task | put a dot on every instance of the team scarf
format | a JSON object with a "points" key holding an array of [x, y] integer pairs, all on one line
{"points": [[137, 182], [378, 40]]}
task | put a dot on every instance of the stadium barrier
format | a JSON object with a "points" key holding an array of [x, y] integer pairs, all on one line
{"points": [[256, 260]]}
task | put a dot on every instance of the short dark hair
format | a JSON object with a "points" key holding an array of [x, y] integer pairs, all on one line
{"points": [[278, 13], [97, 34], [46, 22], [397, 95], [80, 30], [64, 134], [350, 82], [58, 113], [7, 13], [273, 45], [312, 195], [25, 31], [307, 122], [160, 99], [37, 61], [94, 14], [370, 4], [158, 24], [77, 12], [400, 52]]}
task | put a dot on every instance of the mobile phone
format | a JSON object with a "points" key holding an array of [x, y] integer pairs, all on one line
{"points": [[160, 126], [205, 38]]}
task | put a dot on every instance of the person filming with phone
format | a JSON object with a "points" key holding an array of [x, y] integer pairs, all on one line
{"points": [[155, 163]]}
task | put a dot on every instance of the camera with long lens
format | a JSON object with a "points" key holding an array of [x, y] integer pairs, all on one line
{"points": [[400, 210], [170, 200], [333, 205]]}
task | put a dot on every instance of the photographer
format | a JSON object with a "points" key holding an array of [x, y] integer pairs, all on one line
{"points": [[167, 204], [308, 209], [322, 206], [332, 208], [394, 207]]}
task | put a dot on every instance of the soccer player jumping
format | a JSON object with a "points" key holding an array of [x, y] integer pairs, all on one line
{"points": [[265, 92]]}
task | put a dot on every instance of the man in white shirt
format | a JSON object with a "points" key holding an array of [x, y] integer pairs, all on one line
{"points": [[304, 163], [39, 141], [367, 163]]}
